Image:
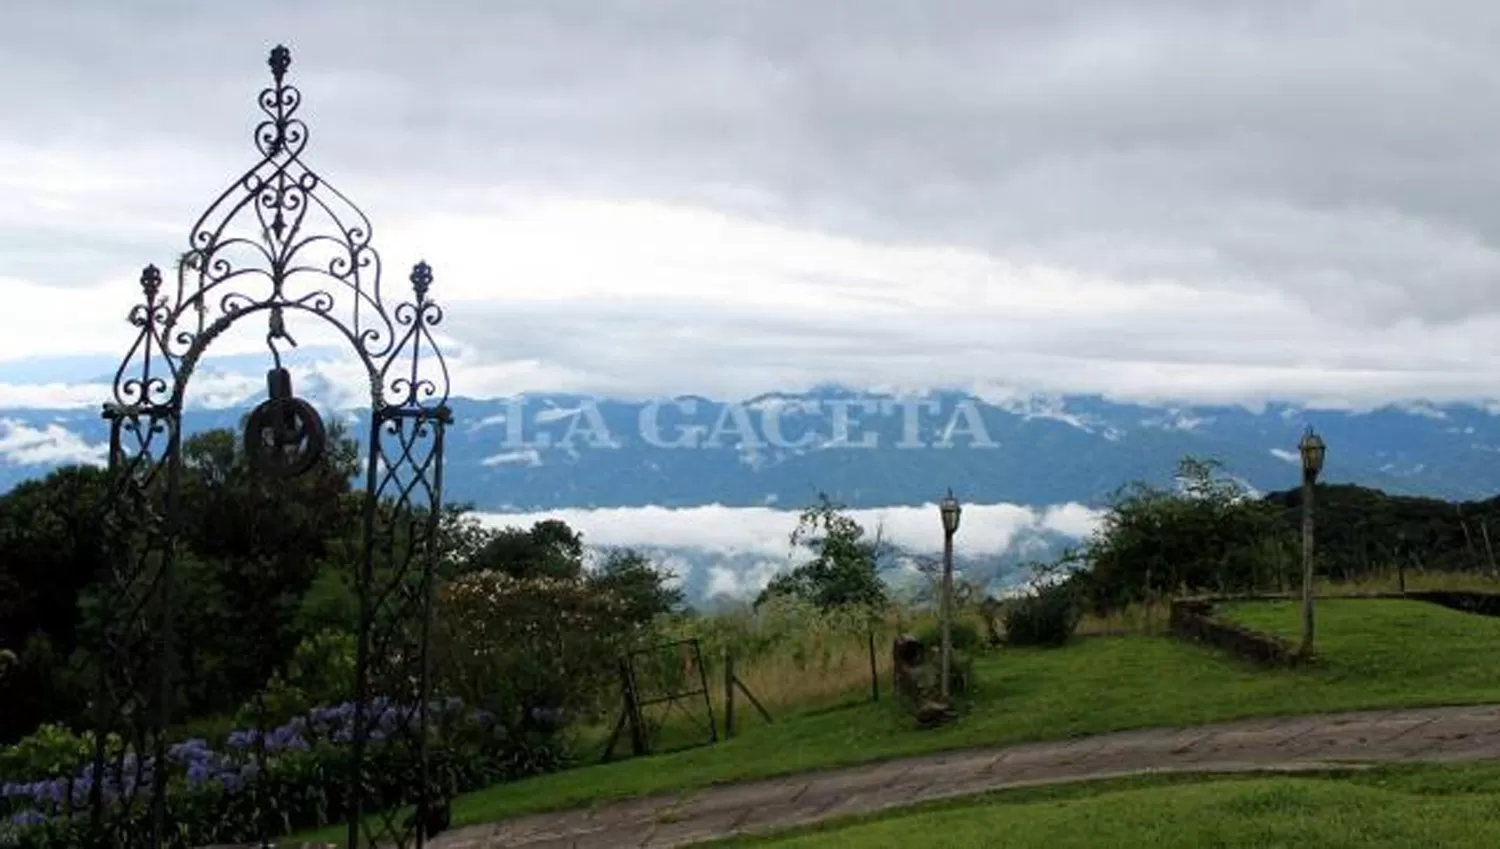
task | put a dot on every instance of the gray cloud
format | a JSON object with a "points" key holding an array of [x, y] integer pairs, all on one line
{"points": [[1336, 156]]}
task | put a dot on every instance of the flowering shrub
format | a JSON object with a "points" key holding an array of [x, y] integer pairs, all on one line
{"points": [[522, 657], [535, 650], [285, 779], [52, 751], [321, 671]]}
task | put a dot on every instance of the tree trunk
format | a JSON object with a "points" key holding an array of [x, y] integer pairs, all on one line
{"points": [[1468, 538], [1148, 599], [1489, 551]]}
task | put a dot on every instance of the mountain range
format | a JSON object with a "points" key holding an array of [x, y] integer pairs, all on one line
{"points": [[551, 451], [710, 488]]}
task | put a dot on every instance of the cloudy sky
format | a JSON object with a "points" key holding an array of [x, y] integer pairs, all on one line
{"points": [[1201, 201]]}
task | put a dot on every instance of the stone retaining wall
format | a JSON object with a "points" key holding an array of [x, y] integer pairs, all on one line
{"points": [[1193, 619]]}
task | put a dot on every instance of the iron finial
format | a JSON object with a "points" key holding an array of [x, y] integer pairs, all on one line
{"points": [[281, 59], [421, 279], [150, 282]]}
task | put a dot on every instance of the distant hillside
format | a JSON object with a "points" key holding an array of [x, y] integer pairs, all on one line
{"points": [[544, 452], [1359, 529]]}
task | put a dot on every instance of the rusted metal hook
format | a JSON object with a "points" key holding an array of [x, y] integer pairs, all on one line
{"points": [[278, 331]]}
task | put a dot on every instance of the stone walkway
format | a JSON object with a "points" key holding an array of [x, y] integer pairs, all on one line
{"points": [[1278, 744]]}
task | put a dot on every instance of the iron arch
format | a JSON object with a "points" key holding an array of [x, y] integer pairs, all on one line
{"points": [[279, 240]]}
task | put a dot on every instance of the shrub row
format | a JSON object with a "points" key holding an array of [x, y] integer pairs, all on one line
{"points": [[290, 778]]}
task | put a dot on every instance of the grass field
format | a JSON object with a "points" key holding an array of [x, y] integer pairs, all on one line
{"points": [[795, 659], [1372, 654], [1408, 806]]}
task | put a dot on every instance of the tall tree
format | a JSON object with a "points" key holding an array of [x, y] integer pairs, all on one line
{"points": [[644, 590], [843, 569], [254, 547], [549, 548], [49, 536], [49, 533], [1207, 534]]}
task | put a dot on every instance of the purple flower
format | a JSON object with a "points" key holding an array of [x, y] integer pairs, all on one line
{"points": [[190, 751], [285, 737], [28, 817], [198, 772], [242, 739]]}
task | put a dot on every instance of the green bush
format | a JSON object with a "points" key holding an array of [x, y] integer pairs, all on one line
{"points": [[1046, 617], [321, 671], [964, 634], [52, 751], [1206, 533]]}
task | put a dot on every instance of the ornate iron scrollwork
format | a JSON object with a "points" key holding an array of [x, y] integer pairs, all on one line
{"points": [[279, 240]]}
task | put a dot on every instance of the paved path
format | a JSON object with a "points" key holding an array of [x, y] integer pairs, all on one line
{"points": [[1282, 743]]}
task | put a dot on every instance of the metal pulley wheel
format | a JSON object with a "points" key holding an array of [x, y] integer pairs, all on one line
{"points": [[284, 436]]}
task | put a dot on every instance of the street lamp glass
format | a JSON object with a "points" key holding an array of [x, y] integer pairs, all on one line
{"points": [[1313, 449], [951, 511]]}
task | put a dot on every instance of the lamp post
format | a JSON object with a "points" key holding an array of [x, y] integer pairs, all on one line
{"points": [[1312, 450], [950, 510]]}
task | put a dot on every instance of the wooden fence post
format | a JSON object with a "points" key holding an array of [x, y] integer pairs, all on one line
{"points": [[728, 694], [638, 743]]}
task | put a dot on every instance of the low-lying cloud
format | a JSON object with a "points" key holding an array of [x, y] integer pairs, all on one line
{"points": [[740, 549], [52, 444]]}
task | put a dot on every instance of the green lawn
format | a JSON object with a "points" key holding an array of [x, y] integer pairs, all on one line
{"points": [[1374, 639], [1372, 654], [1426, 806]]}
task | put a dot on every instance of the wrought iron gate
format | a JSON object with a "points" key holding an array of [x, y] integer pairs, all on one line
{"points": [[278, 243]]}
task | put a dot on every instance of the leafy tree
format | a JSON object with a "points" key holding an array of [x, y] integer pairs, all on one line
{"points": [[263, 566], [461, 537], [49, 536], [230, 510], [843, 571], [643, 590], [1364, 532], [550, 548], [1208, 534], [255, 547]]}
